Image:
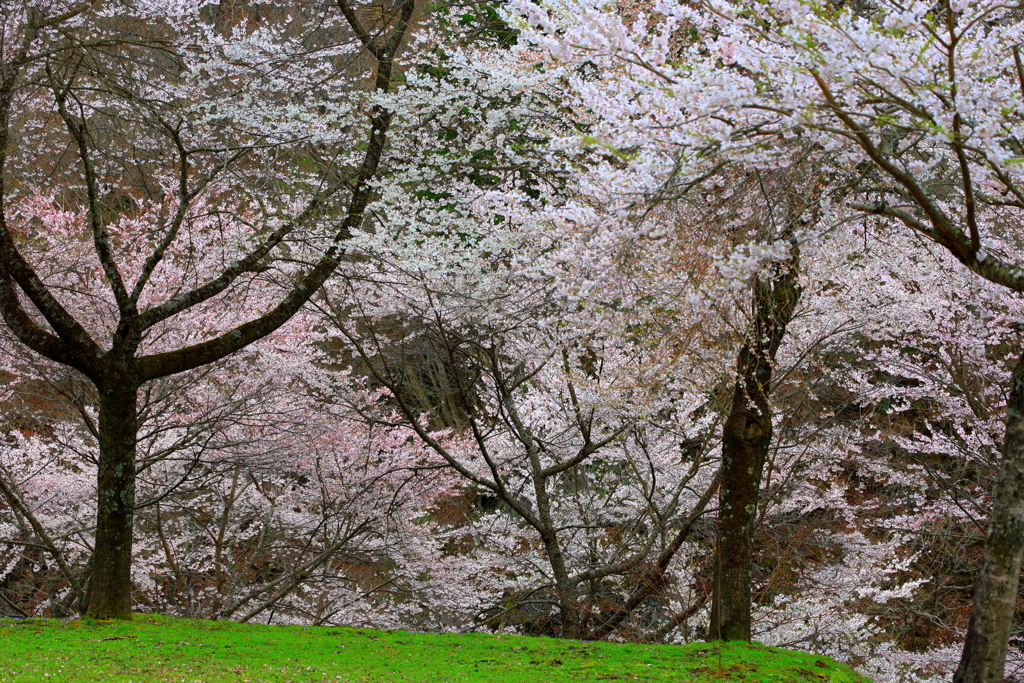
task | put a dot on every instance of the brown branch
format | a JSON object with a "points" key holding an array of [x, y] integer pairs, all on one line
{"points": [[180, 360], [100, 236]]}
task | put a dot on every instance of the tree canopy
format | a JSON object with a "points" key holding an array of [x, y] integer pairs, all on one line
{"points": [[648, 321]]}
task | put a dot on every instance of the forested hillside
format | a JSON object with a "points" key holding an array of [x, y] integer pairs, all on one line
{"points": [[641, 321]]}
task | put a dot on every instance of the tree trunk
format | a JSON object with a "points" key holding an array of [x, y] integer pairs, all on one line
{"points": [[110, 594], [746, 437], [745, 440], [995, 590]]}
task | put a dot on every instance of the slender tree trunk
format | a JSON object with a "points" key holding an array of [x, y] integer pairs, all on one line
{"points": [[110, 582], [747, 435], [569, 613], [995, 590]]}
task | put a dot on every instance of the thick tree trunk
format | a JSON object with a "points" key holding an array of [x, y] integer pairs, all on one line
{"points": [[995, 590], [746, 437], [110, 581]]}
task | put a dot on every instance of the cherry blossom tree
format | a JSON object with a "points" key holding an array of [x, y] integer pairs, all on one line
{"points": [[254, 499], [572, 235], [587, 495], [916, 103], [900, 435], [165, 147]]}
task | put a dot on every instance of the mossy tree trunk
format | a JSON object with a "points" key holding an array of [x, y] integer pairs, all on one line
{"points": [[746, 438], [995, 590], [110, 580]]}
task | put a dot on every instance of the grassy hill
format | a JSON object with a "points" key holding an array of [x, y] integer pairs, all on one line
{"points": [[154, 648]]}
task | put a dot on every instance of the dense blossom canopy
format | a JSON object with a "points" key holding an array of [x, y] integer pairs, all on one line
{"points": [[444, 320]]}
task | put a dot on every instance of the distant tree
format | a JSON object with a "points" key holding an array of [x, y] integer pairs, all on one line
{"points": [[589, 507]]}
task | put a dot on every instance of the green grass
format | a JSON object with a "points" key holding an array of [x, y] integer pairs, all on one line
{"points": [[154, 648]]}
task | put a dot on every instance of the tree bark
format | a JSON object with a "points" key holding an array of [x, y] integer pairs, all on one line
{"points": [[109, 595], [995, 590], [746, 437]]}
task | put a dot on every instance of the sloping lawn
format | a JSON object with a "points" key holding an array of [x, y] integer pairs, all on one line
{"points": [[154, 648]]}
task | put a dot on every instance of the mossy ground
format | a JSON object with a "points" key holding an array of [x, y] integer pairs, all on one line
{"points": [[154, 648]]}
